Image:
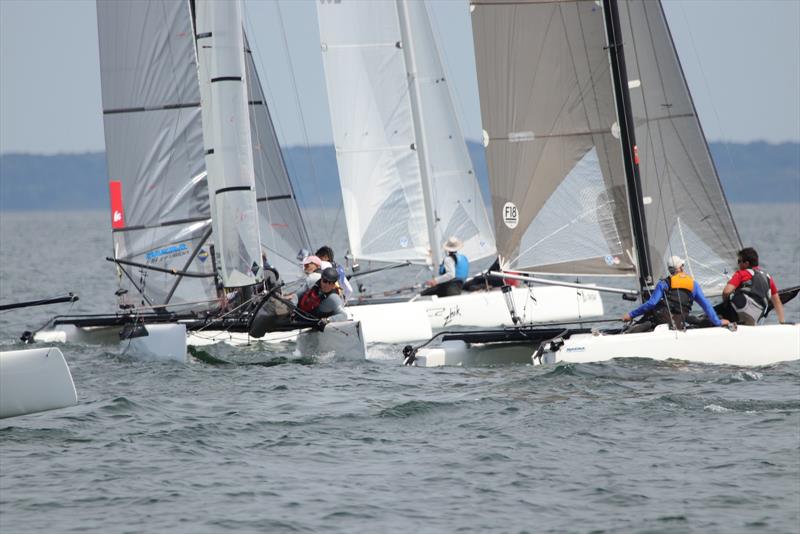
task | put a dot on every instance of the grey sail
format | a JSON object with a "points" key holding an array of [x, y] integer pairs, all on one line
{"points": [[154, 150], [283, 233], [552, 143], [685, 207]]}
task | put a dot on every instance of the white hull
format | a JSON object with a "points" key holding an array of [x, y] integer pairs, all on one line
{"points": [[34, 380], [340, 341], [746, 346], [399, 322], [168, 342], [461, 354], [488, 309], [481, 309]]}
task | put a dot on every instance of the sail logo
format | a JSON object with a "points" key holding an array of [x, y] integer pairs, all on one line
{"points": [[510, 215], [203, 256], [117, 212], [172, 250]]}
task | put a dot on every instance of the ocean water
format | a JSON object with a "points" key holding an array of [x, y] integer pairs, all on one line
{"points": [[320, 446]]}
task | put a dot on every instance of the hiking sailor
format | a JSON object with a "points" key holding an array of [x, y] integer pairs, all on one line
{"points": [[452, 272], [325, 253], [672, 300], [312, 268], [747, 294], [324, 299]]}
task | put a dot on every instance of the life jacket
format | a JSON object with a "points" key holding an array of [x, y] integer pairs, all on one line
{"points": [[680, 287], [312, 298], [757, 288], [462, 266]]}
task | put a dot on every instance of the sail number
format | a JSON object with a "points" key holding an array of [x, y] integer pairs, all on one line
{"points": [[510, 215]]}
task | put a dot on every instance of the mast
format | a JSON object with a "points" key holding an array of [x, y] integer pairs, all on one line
{"points": [[420, 146], [628, 139]]}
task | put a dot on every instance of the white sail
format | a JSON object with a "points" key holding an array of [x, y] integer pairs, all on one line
{"points": [[552, 147], [154, 152], [227, 141], [388, 96]]}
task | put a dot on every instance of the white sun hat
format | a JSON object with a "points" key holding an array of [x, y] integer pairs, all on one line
{"points": [[453, 244]]}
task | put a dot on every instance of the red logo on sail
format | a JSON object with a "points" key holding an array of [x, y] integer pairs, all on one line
{"points": [[117, 212]]}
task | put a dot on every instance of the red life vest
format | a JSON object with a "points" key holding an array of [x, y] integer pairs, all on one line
{"points": [[311, 299]]}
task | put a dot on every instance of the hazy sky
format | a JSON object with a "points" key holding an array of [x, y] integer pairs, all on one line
{"points": [[741, 59]]}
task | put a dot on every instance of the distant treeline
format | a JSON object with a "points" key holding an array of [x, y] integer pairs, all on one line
{"points": [[752, 172]]}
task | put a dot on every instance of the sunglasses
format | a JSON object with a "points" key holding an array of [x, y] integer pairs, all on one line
{"points": [[328, 282]]}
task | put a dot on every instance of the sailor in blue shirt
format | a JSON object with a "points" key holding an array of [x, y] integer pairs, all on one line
{"points": [[672, 300]]}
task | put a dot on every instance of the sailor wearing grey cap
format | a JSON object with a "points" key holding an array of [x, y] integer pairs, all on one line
{"points": [[671, 302], [324, 299]]}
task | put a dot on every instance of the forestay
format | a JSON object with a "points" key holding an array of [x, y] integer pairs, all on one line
{"points": [[393, 146], [685, 207], [154, 149], [551, 136], [228, 143]]}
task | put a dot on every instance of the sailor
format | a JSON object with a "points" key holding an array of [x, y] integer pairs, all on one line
{"points": [[312, 268], [324, 299], [672, 300], [325, 253], [453, 271], [747, 294]]}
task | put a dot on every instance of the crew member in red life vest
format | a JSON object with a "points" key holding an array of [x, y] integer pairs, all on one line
{"points": [[672, 300], [748, 292], [452, 272], [324, 299]]}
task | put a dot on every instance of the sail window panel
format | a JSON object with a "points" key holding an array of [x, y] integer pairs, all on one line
{"points": [[146, 55], [675, 164], [384, 210], [576, 224], [158, 158], [546, 102], [710, 270], [178, 247]]}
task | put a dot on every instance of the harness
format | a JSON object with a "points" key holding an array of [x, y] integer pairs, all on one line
{"points": [[679, 294], [462, 266], [757, 288]]}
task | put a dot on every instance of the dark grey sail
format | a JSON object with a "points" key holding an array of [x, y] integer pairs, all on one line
{"points": [[685, 207], [154, 151], [551, 135]]}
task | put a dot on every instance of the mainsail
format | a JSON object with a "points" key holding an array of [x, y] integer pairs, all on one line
{"points": [[553, 142], [406, 177], [551, 136], [161, 217], [154, 150], [686, 210]]}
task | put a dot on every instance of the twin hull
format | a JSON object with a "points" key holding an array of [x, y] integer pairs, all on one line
{"points": [[740, 346]]}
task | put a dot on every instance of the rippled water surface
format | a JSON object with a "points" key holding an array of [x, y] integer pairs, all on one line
{"points": [[324, 446]]}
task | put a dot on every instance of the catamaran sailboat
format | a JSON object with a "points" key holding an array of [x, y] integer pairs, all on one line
{"points": [[406, 177], [199, 190], [587, 102]]}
